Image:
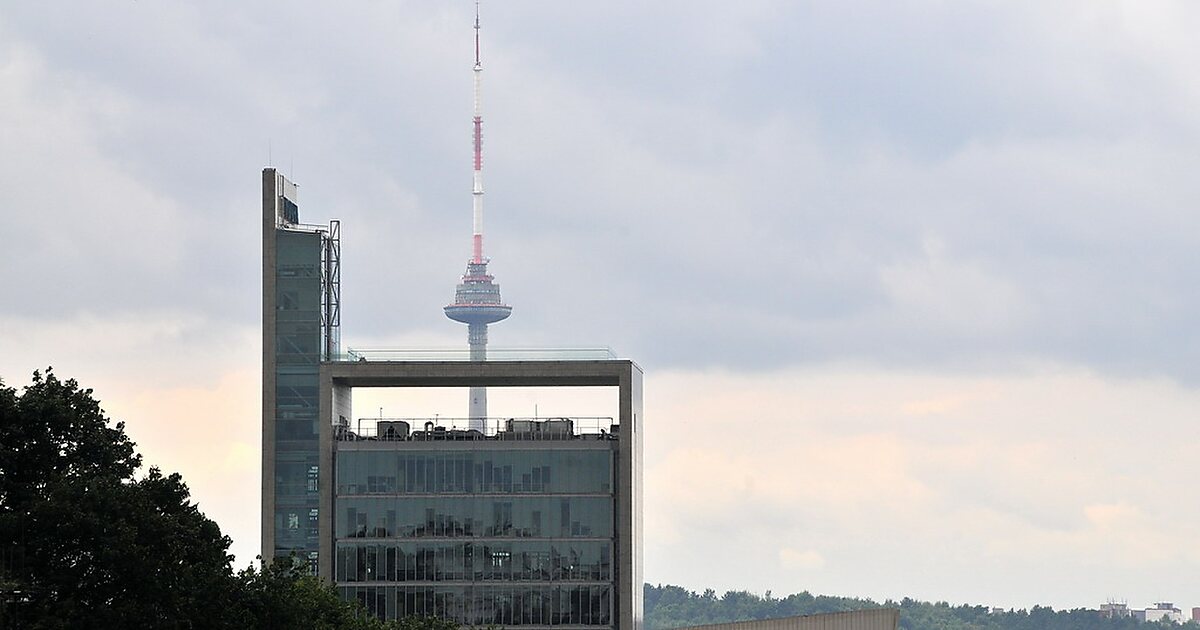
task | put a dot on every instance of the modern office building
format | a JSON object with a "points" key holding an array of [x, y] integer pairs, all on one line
{"points": [[301, 270], [518, 522], [514, 522]]}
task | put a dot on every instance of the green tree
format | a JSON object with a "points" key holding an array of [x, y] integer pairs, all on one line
{"points": [[283, 596], [87, 543]]}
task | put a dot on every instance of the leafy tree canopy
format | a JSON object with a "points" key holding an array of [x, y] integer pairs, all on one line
{"points": [[87, 542], [284, 596]]}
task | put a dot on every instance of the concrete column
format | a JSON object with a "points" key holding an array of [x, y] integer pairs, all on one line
{"points": [[270, 195]]}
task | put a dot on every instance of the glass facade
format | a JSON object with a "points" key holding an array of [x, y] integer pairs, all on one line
{"points": [[298, 345], [513, 537], [488, 605], [454, 517], [492, 471], [507, 561]]}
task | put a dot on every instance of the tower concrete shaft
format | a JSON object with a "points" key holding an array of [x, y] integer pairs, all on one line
{"points": [[477, 342]]}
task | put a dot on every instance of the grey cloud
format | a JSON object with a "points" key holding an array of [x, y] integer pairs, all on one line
{"points": [[758, 185]]}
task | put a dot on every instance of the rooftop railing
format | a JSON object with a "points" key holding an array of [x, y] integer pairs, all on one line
{"points": [[469, 429], [464, 354]]}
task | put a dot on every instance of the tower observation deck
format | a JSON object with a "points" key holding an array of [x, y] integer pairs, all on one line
{"points": [[477, 300]]}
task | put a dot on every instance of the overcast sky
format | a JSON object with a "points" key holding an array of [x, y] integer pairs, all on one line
{"points": [[913, 282]]}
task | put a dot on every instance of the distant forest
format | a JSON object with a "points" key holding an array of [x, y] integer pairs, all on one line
{"points": [[675, 607]]}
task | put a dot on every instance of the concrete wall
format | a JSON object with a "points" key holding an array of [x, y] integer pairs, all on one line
{"points": [[874, 619], [335, 403], [629, 504]]}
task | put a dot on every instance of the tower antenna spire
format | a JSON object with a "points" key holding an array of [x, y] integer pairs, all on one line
{"points": [[477, 300], [477, 188]]}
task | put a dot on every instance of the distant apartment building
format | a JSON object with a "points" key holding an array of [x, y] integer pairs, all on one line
{"points": [[1115, 610], [1161, 611]]}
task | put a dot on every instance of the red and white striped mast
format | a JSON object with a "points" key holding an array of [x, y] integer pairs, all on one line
{"points": [[477, 188]]}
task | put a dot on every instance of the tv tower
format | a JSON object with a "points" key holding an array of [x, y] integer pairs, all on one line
{"points": [[477, 300]]}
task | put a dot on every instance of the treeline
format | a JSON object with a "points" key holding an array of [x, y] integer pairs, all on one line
{"points": [[669, 606]]}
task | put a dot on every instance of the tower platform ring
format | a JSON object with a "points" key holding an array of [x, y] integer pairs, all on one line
{"points": [[478, 313]]}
